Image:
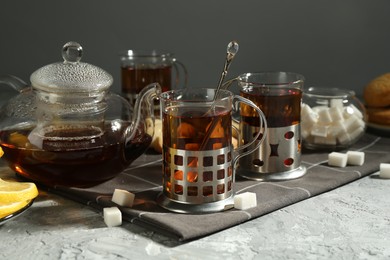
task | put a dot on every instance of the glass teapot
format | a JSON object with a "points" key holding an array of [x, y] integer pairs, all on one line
{"points": [[68, 129]]}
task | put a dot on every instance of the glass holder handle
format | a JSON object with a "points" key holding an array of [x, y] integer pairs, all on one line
{"points": [[243, 150]]}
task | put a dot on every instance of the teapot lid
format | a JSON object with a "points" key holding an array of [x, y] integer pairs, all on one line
{"points": [[71, 76]]}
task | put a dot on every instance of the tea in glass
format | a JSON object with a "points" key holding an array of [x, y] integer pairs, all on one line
{"points": [[198, 155], [140, 68], [279, 96]]}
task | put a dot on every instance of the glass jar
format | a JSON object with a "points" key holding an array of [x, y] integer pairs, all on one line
{"points": [[331, 118]]}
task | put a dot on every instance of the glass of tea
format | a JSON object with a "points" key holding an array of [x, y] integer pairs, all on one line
{"points": [[141, 67], [198, 156], [279, 96]]}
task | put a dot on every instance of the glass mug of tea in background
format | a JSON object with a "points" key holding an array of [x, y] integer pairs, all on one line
{"points": [[198, 156], [279, 96], [140, 68]]}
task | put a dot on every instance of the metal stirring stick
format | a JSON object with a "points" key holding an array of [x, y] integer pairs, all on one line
{"points": [[231, 51]]}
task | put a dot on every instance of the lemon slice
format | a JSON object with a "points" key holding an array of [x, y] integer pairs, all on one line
{"points": [[11, 192], [7, 209], [1, 152]]}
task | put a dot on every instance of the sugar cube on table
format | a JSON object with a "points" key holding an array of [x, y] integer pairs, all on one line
{"points": [[245, 200], [337, 159], [112, 216], [355, 158], [384, 170], [123, 198]]}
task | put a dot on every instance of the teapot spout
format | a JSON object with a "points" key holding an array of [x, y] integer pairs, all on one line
{"points": [[14, 82], [144, 109]]}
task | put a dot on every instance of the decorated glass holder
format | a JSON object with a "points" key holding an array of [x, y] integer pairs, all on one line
{"points": [[198, 156], [279, 96]]}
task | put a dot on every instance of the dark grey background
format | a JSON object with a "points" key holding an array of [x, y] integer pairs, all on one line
{"points": [[335, 43]]}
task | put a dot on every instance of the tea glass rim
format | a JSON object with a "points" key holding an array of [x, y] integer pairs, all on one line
{"points": [[176, 95], [143, 53], [329, 93], [262, 81]]}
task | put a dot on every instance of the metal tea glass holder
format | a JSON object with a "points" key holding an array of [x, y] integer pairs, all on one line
{"points": [[201, 180], [279, 96], [201, 189]]}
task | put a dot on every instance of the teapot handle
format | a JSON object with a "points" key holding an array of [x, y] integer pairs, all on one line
{"points": [[181, 72], [146, 97], [13, 82]]}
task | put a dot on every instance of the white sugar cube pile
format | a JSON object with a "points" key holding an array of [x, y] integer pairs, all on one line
{"points": [[112, 216], [331, 125], [245, 200], [343, 159]]}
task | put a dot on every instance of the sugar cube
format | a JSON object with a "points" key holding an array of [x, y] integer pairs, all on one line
{"points": [[304, 133], [337, 128], [355, 158], [352, 123], [357, 132], [112, 216], [308, 115], [336, 113], [384, 170], [337, 159], [319, 130], [344, 138], [331, 125], [352, 110], [245, 200], [324, 116], [328, 140], [357, 112], [336, 102], [306, 109], [317, 109], [123, 198]]}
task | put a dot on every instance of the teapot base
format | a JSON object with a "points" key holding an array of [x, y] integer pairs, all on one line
{"points": [[82, 167]]}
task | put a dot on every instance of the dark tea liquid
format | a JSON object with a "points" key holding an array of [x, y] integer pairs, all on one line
{"points": [[281, 106], [195, 129], [79, 163], [186, 128], [134, 79]]}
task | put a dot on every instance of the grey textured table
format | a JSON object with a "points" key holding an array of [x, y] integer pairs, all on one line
{"points": [[350, 222]]}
